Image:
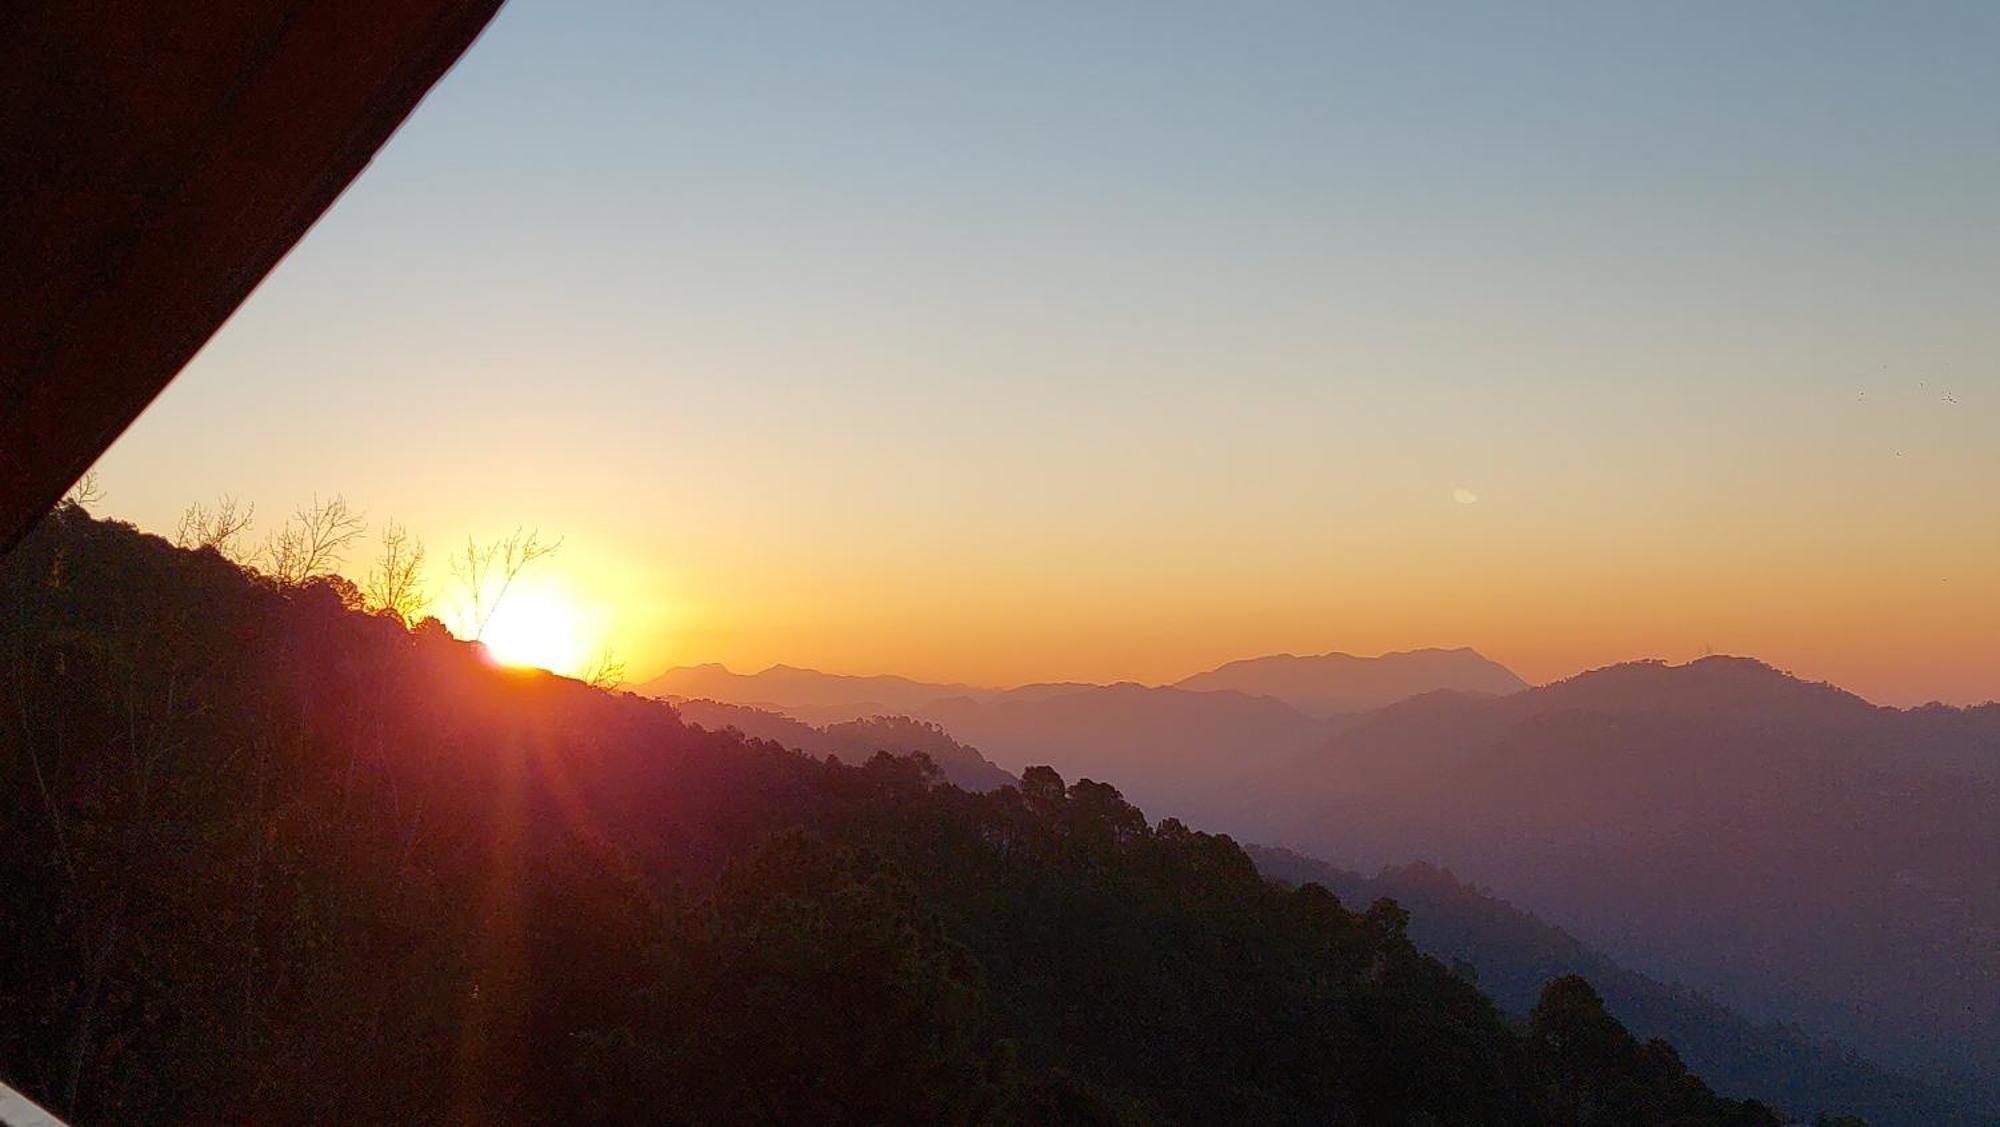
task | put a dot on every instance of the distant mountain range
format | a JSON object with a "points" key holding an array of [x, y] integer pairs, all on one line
{"points": [[1192, 748], [1334, 684], [1786, 845], [1165, 740], [1196, 754], [1321, 685], [1510, 953], [791, 690], [853, 742], [1805, 854]]}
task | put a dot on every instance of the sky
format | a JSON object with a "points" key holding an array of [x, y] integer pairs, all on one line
{"points": [[1004, 343]]}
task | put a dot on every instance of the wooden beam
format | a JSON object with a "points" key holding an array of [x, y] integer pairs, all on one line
{"points": [[157, 159]]}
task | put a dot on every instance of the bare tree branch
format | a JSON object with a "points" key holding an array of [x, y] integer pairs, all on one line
{"points": [[85, 492], [396, 583], [220, 528], [313, 543], [606, 671], [496, 565]]}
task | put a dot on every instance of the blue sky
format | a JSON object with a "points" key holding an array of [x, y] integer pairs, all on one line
{"points": [[978, 341]]}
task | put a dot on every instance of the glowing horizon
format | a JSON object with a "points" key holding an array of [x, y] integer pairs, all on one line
{"points": [[534, 626], [1046, 344], [577, 608]]}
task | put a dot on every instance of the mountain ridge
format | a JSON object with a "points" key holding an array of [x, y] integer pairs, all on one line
{"points": [[1508, 951], [1334, 683], [853, 742], [1358, 684], [1585, 780], [1780, 842]]}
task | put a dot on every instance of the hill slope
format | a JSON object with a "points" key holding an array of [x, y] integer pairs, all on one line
{"points": [[1512, 953], [1785, 845], [854, 742], [270, 858]]}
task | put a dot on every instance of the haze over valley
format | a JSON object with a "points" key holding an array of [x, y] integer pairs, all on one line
{"points": [[1621, 803]]}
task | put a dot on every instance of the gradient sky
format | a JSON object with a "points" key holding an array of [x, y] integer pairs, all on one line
{"points": [[1011, 342]]}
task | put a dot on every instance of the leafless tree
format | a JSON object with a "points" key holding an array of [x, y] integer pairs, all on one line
{"points": [[85, 492], [220, 528], [396, 583], [606, 671], [495, 565], [312, 543]]}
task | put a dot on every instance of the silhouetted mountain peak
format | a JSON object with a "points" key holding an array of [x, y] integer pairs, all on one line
{"points": [[1332, 683], [1715, 685]]}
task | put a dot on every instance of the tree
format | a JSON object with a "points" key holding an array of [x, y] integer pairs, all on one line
{"points": [[313, 543], [396, 582], [273, 859], [219, 529], [85, 493], [495, 565], [605, 671]]}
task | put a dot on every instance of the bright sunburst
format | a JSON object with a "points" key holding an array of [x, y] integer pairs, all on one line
{"points": [[537, 627]]}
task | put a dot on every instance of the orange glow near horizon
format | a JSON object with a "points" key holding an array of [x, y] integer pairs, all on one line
{"points": [[1260, 337], [535, 626], [1899, 615]]}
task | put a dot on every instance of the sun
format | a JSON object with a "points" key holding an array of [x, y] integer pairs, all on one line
{"points": [[537, 627]]}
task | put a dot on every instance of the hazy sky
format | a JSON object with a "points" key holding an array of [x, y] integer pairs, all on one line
{"points": [[1010, 342]]}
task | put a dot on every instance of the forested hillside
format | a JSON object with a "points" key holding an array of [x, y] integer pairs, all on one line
{"points": [[270, 857], [853, 742]]}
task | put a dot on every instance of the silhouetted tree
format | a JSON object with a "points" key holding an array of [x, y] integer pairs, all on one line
{"points": [[396, 582], [605, 671], [219, 529], [487, 571], [313, 543], [86, 492]]}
